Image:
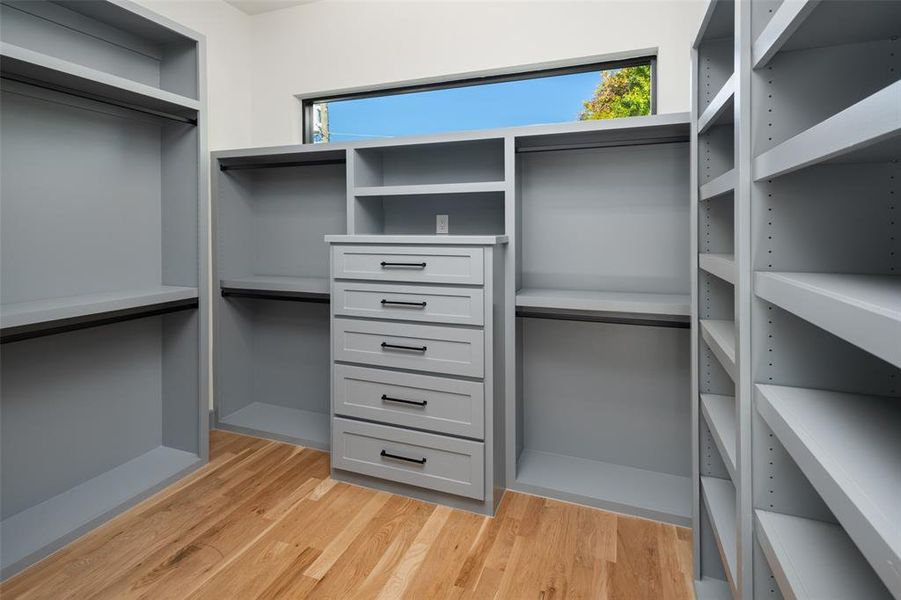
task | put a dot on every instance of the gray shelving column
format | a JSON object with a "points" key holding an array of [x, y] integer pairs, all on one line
{"points": [[826, 304], [271, 207], [720, 342], [103, 306], [597, 407]]}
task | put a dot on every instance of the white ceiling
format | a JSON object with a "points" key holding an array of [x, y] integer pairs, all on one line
{"points": [[255, 7]]}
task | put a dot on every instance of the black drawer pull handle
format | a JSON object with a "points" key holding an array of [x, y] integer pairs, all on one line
{"points": [[385, 265], [398, 347], [418, 461], [387, 398], [401, 303]]}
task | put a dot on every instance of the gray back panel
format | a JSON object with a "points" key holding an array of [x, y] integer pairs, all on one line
{"points": [[276, 352], [293, 208], [613, 219], [468, 214], [93, 226], [77, 404], [608, 392], [449, 162]]}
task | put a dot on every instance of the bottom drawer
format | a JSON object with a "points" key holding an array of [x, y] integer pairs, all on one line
{"points": [[422, 459]]}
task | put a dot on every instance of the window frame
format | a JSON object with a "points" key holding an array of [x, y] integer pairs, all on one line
{"points": [[467, 81]]}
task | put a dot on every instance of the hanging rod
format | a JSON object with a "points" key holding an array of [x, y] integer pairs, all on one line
{"points": [[101, 99], [27, 332], [611, 144], [264, 295], [306, 163], [676, 322]]}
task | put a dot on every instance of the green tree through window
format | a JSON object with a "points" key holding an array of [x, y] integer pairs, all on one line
{"points": [[621, 93]]}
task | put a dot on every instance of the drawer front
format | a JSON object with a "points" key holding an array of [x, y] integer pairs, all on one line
{"points": [[433, 403], [453, 305], [414, 264], [449, 350], [426, 460]]}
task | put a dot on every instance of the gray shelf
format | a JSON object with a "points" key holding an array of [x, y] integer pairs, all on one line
{"points": [[813, 559], [709, 588], [720, 338], [719, 186], [719, 412], [37, 531], [720, 109], [53, 311], [867, 131], [31, 66], [864, 310], [848, 446], [431, 189], [720, 265], [720, 500], [293, 425], [604, 302], [291, 287], [801, 24], [604, 485]]}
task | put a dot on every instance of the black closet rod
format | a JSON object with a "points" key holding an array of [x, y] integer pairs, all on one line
{"points": [[611, 144], [648, 321], [274, 165], [101, 99]]}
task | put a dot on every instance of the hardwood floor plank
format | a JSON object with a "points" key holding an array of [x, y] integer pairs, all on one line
{"points": [[264, 520]]}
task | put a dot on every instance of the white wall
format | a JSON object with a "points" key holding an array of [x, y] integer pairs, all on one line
{"points": [[335, 44], [229, 60]]}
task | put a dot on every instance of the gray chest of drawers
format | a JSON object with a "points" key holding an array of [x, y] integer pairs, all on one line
{"points": [[417, 366]]}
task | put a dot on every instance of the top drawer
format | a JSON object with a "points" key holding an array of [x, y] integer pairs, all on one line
{"points": [[415, 264]]}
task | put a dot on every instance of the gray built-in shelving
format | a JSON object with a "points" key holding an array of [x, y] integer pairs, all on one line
{"points": [[102, 310], [817, 257], [591, 406]]}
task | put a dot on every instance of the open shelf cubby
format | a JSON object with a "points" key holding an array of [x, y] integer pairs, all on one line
{"points": [[273, 374], [93, 421], [602, 414], [476, 164], [599, 229], [117, 47], [271, 219]]}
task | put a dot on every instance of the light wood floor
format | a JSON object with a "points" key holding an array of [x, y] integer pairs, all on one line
{"points": [[264, 520]]}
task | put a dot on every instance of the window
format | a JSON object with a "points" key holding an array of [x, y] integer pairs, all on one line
{"points": [[585, 92]]}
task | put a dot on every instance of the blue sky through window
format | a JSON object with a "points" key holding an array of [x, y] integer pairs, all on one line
{"points": [[554, 99]]}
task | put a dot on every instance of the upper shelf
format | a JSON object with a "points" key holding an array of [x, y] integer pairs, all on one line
{"points": [[47, 71], [813, 559], [425, 240], [720, 265], [720, 338], [867, 131], [865, 310], [38, 315], [720, 109], [848, 446], [431, 189], [719, 412], [273, 285], [718, 21], [801, 24], [719, 186], [720, 500], [632, 303]]}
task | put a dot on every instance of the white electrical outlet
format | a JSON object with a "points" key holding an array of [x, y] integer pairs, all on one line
{"points": [[441, 224]]}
